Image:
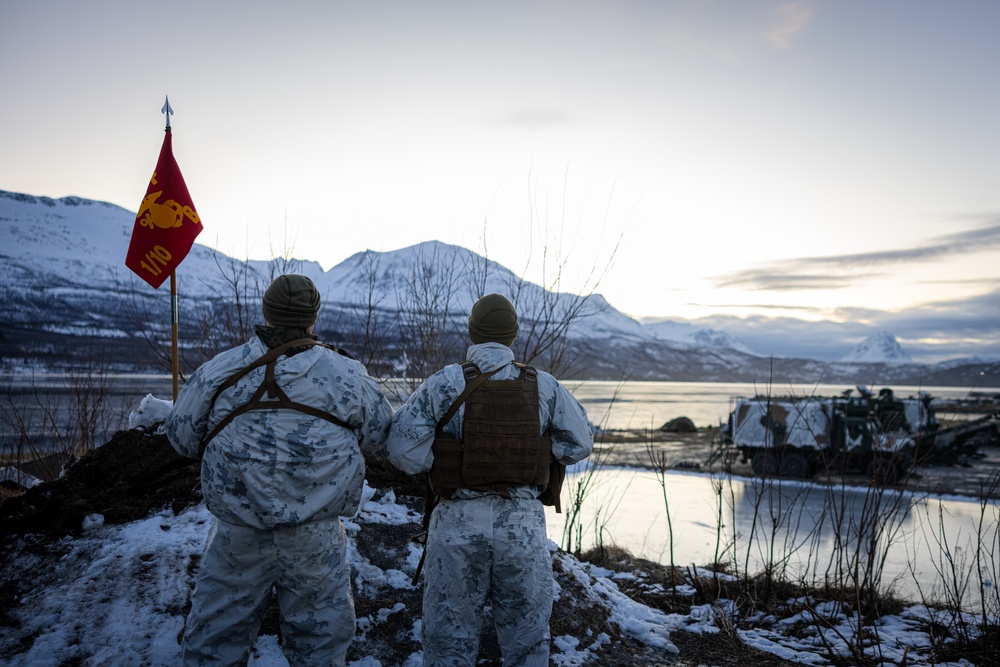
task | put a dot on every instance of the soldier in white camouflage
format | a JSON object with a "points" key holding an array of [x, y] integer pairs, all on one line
{"points": [[487, 540], [282, 446]]}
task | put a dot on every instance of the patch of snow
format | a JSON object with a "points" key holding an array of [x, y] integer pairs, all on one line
{"points": [[92, 522], [116, 597], [266, 652], [151, 411], [367, 661], [366, 623], [568, 653], [415, 660], [650, 626], [778, 645], [84, 330]]}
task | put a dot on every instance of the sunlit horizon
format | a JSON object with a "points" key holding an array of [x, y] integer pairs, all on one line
{"points": [[808, 160]]}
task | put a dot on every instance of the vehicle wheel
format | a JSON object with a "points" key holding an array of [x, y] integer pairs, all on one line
{"points": [[764, 463], [794, 465], [883, 470]]}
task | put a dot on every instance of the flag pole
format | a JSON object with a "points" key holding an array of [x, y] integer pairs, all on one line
{"points": [[174, 308], [174, 317], [166, 226]]}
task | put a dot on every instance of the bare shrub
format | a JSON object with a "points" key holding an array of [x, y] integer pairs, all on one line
{"points": [[50, 420]]}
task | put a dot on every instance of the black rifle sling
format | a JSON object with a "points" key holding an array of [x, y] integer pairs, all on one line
{"points": [[473, 378], [279, 399]]}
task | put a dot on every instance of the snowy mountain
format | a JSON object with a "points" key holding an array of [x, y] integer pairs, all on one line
{"points": [[65, 281], [683, 333], [69, 300], [80, 245], [882, 348]]}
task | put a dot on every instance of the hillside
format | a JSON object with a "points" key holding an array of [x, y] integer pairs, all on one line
{"points": [[71, 302]]}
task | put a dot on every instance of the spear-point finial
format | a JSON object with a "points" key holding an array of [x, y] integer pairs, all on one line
{"points": [[166, 109]]}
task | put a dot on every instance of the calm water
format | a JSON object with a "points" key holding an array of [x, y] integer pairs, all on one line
{"points": [[648, 405], [611, 405], [42, 400], [627, 508], [802, 522], [39, 411]]}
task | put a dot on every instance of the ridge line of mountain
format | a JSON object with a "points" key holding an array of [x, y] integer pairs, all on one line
{"points": [[55, 239]]}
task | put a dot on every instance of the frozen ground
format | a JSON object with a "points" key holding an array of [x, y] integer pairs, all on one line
{"points": [[103, 576]]}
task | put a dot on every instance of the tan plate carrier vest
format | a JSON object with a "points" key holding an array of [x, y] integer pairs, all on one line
{"points": [[501, 446]]}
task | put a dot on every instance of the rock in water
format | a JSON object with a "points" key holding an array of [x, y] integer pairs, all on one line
{"points": [[679, 425]]}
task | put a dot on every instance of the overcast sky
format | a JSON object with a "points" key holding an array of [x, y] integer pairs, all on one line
{"points": [[826, 160]]}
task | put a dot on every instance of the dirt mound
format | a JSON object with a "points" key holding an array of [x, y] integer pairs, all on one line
{"points": [[136, 473]]}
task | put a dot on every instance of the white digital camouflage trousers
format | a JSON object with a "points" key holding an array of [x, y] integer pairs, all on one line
{"points": [[487, 549], [307, 567]]}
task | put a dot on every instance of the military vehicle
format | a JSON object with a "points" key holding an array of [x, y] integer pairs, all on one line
{"points": [[881, 436]]}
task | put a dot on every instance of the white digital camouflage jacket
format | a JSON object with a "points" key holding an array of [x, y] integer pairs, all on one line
{"points": [[412, 434], [271, 468]]}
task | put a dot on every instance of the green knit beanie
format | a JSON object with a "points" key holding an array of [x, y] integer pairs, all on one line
{"points": [[493, 320], [292, 301]]}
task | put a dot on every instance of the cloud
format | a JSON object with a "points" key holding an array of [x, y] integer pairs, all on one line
{"points": [[969, 241], [787, 280], [932, 332], [752, 306], [728, 32], [845, 270], [823, 340], [791, 18], [975, 317]]}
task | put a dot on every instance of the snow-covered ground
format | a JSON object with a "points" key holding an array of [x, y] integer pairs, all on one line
{"points": [[117, 594]]}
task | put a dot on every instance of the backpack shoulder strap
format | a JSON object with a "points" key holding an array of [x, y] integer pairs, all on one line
{"points": [[264, 359], [279, 399], [528, 372], [473, 378]]}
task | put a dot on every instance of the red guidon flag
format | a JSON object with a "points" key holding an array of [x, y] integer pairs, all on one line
{"points": [[167, 223]]}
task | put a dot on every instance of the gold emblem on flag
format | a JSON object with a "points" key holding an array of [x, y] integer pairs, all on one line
{"points": [[166, 215]]}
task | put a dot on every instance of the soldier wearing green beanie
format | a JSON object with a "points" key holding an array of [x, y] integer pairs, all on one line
{"points": [[290, 307], [291, 301], [486, 432], [282, 425], [493, 319]]}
